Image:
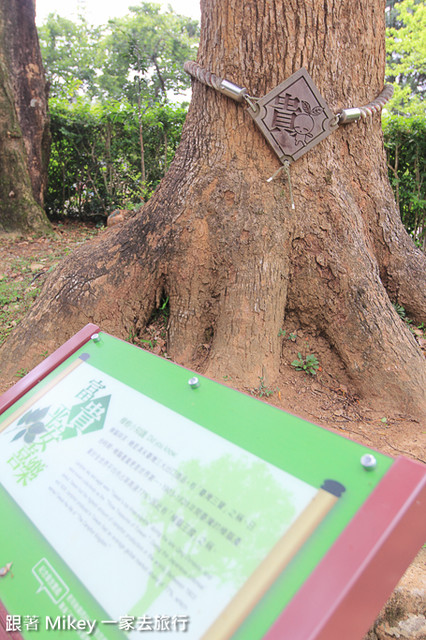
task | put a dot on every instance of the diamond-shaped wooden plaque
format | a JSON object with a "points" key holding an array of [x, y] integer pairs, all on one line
{"points": [[294, 117]]}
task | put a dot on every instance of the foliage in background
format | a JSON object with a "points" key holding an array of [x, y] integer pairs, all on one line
{"points": [[144, 53], [95, 163], [70, 55], [405, 142], [404, 121], [139, 56], [115, 132], [114, 129], [406, 55]]}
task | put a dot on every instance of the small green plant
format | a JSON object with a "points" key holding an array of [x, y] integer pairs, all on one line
{"points": [[400, 310], [21, 373], [282, 333], [262, 390], [408, 321], [308, 363], [16, 298], [164, 310], [162, 313], [150, 344]]}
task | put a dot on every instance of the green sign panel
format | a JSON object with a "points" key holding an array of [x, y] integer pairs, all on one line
{"points": [[133, 502]]}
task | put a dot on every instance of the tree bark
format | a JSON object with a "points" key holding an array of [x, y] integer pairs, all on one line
{"points": [[24, 123], [236, 261]]}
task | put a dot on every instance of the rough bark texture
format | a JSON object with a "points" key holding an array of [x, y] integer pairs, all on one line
{"points": [[224, 244], [404, 615], [24, 123]]}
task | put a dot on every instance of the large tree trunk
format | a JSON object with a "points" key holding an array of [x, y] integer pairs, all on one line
{"points": [[225, 245], [24, 123]]}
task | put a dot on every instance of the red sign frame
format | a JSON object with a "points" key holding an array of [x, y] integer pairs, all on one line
{"points": [[344, 594]]}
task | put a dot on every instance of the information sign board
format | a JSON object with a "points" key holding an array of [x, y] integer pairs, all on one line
{"points": [[134, 503]]}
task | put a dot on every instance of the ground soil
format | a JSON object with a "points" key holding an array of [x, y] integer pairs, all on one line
{"points": [[325, 398], [25, 263]]}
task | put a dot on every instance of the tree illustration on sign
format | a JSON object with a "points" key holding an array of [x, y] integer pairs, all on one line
{"points": [[32, 425], [217, 521]]}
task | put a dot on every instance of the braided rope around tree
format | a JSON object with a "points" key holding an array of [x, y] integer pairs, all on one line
{"points": [[351, 114], [240, 94], [203, 75]]}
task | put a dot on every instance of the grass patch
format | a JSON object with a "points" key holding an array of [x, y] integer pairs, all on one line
{"points": [[24, 266], [16, 297]]}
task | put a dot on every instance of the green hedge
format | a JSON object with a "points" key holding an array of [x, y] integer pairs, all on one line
{"points": [[95, 162], [405, 143]]}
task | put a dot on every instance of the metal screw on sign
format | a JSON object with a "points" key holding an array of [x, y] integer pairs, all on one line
{"points": [[96, 337], [194, 383], [368, 461], [5, 570]]}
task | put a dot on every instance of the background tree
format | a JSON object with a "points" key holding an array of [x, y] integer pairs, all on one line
{"points": [[406, 55], [114, 130], [235, 260], [147, 50], [144, 54], [406, 150], [106, 63], [404, 120], [71, 55], [24, 132]]}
